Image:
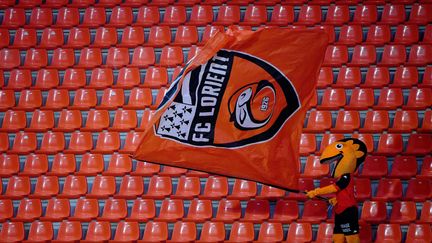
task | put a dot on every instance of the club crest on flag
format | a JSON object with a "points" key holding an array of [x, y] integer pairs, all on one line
{"points": [[252, 110]]}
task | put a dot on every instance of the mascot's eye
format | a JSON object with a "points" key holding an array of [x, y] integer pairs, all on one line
{"points": [[339, 146]]}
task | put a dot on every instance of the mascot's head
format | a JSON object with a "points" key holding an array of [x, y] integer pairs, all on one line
{"points": [[348, 154]]}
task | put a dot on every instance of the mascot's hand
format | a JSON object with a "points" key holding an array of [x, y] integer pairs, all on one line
{"points": [[311, 193], [333, 201]]}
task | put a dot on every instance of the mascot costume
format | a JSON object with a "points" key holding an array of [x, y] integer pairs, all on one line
{"points": [[348, 154]]}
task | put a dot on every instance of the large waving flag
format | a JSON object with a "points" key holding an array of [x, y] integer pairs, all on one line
{"points": [[237, 108]]}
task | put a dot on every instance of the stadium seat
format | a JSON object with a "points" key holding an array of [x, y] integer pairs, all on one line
{"points": [[328, 139], [419, 99], [427, 78], [114, 210], [147, 16], [390, 99], [105, 37], [40, 18], [420, 14], [374, 212], [46, 79], [74, 187], [305, 184], [365, 14], [35, 58], [69, 231], [363, 190], [171, 56], [418, 233], [73, 79], [107, 142], [406, 34], [120, 16], [241, 232], [6, 209], [55, 3], [255, 15], [28, 210], [426, 125], [62, 165], [325, 77], [29, 100], [143, 210], [145, 169], [393, 55], [201, 15], [209, 31], [318, 121], [378, 35], [90, 58], [13, 18], [69, 121], [84, 99], [57, 209], [282, 15], [228, 211], [389, 190], [5, 39], [101, 78], [257, 211], [159, 187], [52, 143], [17, 187], [418, 189], [132, 36], [285, 211], [187, 187], [78, 37], [426, 213], [336, 55], [103, 187], [393, 14], [243, 190], [98, 231], [174, 15], [348, 77], [376, 121], [405, 77], [24, 143], [404, 167], [309, 15], [228, 15], [139, 98], [7, 99], [9, 58], [270, 232], [325, 233], [159, 36], [184, 232], [29, 4], [388, 233], [216, 187], [347, 121], [212, 232], [337, 15], [186, 35], [119, 165], [307, 144], [62, 58], [127, 231], [130, 187], [171, 210], [9, 165], [80, 143], [403, 212], [93, 17], [86, 209], [19, 79], [426, 168], [13, 121], [12, 231], [333, 99], [4, 142], [117, 57], [376, 77], [131, 142], [299, 232], [314, 211], [142, 57], [24, 38], [155, 232], [314, 169], [270, 193], [199, 211], [350, 35], [40, 232], [46, 187], [363, 55]]}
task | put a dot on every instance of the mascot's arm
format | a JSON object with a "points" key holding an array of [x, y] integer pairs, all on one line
{"points": [[322, 191]]}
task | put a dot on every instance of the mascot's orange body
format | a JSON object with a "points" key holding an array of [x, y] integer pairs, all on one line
{"points": [[348, 154]]}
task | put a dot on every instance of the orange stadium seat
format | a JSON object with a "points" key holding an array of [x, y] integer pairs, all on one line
{"points": [[62, 165], [130, 187], [314, 169], [147, 16], [120, 16], [40, 231], [347, 121], [69, 231], [171, 210], [376, 77], [90, 58], [98, 231], [199, 211], [47, 79], [12, 231], [228, 210], [243, 189], [57, 209], [117, 57], [46, 187], [257, 211], [105, 37], [201, 15], [348, 77], [187, 188], [155, 232], [184, 232], [376, 121], [142, 210], [128, 77], [114, 210], [212, 231], [255, 15], [159, 36], [52, 143], [24, 143], [69, 120], [94, 17], [4, 142], [143, 57], [85, 210], [13, 121], [228, 15], [17, 187], [174, 16], [241, 232], [40, 18], [300, 232], [84, 99], [132, 36], [186, 35], [28, 210], [282, 15], [9, 58], [103, 187], [131, 142], [216, 187], [171, 56], [350, 35], [124, 120], [74, 187], [35, 59], [145, 169], [80, 142], [159, 187]]}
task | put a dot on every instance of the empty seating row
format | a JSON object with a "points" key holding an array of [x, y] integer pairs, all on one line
{"points": [[98, 231], [133, 36], [390, 144], [255, 15], [186, 187]]}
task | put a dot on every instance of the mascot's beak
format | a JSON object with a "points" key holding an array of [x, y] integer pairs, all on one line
{"points": [[330, 155]]}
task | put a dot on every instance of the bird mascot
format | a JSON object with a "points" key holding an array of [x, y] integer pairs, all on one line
{"points": [[347, 154]]}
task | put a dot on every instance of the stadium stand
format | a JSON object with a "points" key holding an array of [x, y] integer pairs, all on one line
{"points": [[79, 81]]}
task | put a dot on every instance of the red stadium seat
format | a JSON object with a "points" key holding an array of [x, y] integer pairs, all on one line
{"points": [[363, 55], [388, 233], [376, 77], [325, 77], [328, 139], [117, 57], [24, 143], [257, 211], [420, 14], [347, 121], [426, 168], [7, 99], [128, 77], [139, 98], [243, 190], [171, 210], [62, 165], [426, 213], [62, 58], [47, 79], [404, 167], [142, 211], [57, 209], [131, 143], [29, 4], [12, 232], [309, 15], [337, 15], [216, 187], [13, 121], [405, 121], [69, 231], [174, 15], [228, 15], [98, 231], [40, 18], [390, 99], [318, 121], [348, 77], [333, 99], [36, 58], [378, 35], [85, 210], [134, 3], [363, 190], [269, 192], [107, 142], [159, 187], [142, 57], [84, 99], [184, 232], [393, 14], [13, 18], [270, 232], [52, 143], [103, 187], [80, 142], [74, 187], [282, 15], [17, 187], [9, 58], [376, 121], [405, 77], [210, 31], [105, 37], [19, 79], [40, 232], [171, 56], [9, 165], [255, 15], [120, 16], [4, 142], [200, 211], [78, 38], [155, 232], [159, 36], [55, 3], [403, 212], [420, 55], [124, 120], [336, 55], [305, 184], [350, 35], [67, 17], [186, 35], [69, 120], [145, 169], [389, 190], [127, 231], [285, 211], [418, 190], [419, 98], [94, 17], [132, 36], [147, 16], [29, 100], [406, 34], [242, 232], [101, 78], [427, 78], [25, 38], [228, 211], [130, 187], [114, 210], [325, 233], [90, 58], [74, 79], [418, 233], [28, 210], [314, 211], [299, 232], [212, 232], [5, 39], [119, 165], [314, 169], [46, 187], [393, 55], [201, 15], [374, 212], [187, 187]]}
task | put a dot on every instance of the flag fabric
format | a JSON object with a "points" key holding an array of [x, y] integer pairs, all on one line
{"points": [[237, 108]]}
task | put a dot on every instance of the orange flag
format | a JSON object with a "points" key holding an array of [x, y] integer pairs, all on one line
{"points": [[237, 108]]}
